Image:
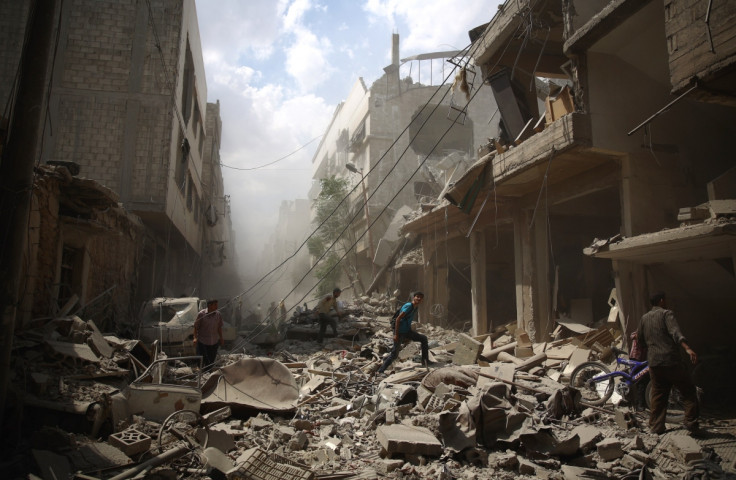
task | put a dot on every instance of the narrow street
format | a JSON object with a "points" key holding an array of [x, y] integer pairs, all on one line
{"points": [[317, 239]]}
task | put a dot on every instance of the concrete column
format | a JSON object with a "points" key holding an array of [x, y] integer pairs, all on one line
{"points": [[523, 273], [541, 276], [478, 282]]}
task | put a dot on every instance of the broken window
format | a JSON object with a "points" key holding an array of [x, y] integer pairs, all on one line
{"points": [[357, 139], [181, 166]]}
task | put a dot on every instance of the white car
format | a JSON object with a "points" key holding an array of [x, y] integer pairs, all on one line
{"points": [[171, 322]]}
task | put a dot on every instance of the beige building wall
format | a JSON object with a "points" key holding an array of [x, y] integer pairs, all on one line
{"points": [[120, 110]]}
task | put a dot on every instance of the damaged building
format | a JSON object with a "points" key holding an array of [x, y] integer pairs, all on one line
{"points": [[631, 145], [399, 142], [126, 115], [608, 176]]}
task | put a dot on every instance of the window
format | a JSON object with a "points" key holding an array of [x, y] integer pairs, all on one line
{"points": [[187, 90], [181, 166]]}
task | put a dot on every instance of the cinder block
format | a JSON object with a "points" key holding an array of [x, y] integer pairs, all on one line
{"points": [[130, 441]]}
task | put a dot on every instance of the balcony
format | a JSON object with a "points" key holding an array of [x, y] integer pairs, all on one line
{"points": [[561, 151]]}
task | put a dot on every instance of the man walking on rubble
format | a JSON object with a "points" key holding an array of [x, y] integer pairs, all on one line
{"points": [[208, 332], [327, 303], [660, 335], [403, 331]]}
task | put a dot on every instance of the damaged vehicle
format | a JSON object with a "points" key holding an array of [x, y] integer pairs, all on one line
{"points": [[171, 322], [166, 386]]}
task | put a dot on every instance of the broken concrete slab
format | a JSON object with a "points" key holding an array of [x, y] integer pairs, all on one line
{"points": [[98, 342], [532, 361], [408, 439], [686, 448], [75, 351], [467, 351], [580, 355], [609, 449], [500, 370], [589, 436]]}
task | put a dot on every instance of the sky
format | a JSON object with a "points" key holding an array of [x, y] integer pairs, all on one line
{"points": [[279, 68]]}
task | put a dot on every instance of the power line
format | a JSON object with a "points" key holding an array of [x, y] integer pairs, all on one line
{"points": [[348, 224], [469, 54], [275, 161]]}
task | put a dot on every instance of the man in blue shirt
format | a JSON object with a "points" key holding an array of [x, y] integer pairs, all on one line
{"points": [[403, 331]]}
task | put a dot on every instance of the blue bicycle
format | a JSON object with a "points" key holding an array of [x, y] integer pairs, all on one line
{"points": [[597, 383]]}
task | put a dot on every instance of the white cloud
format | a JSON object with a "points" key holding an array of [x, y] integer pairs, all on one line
{"points": [[306, 59], [240, 27], [253, 49], [432, 26]]}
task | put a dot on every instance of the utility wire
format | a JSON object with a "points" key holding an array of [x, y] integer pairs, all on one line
{"points": [[469, 54], [439, 88], [275, 161]]}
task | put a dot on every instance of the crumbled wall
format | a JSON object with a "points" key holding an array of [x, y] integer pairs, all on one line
{"points": [[110, 237]]}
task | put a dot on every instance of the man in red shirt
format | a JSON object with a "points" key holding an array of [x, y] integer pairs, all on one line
{"points": [[207, 333]]}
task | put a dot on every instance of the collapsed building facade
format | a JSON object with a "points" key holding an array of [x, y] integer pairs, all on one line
{"points": [[126, 114], [400, 142], [636, 143]]}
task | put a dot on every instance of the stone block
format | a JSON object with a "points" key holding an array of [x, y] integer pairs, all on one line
{"points": [[610, 449], [408, 439], [130, 441], [686, 448]]}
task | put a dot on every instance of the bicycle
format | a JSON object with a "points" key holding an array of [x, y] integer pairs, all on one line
{"points": [[597, 383]]}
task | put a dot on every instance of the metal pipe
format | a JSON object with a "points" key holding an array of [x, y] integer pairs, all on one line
{"points": [[662, 110]]}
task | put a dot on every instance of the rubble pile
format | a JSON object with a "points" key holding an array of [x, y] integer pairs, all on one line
{"points": [[378, 304], [492, 406]]}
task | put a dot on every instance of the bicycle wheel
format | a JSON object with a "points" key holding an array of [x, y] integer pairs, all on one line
{"points": [[675, 408], [595, 392]]}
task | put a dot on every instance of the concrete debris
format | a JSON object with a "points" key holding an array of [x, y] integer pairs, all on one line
{"points": [[493, 406]]}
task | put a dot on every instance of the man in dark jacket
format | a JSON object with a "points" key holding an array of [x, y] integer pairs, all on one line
{"points": [[660, 335]]}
